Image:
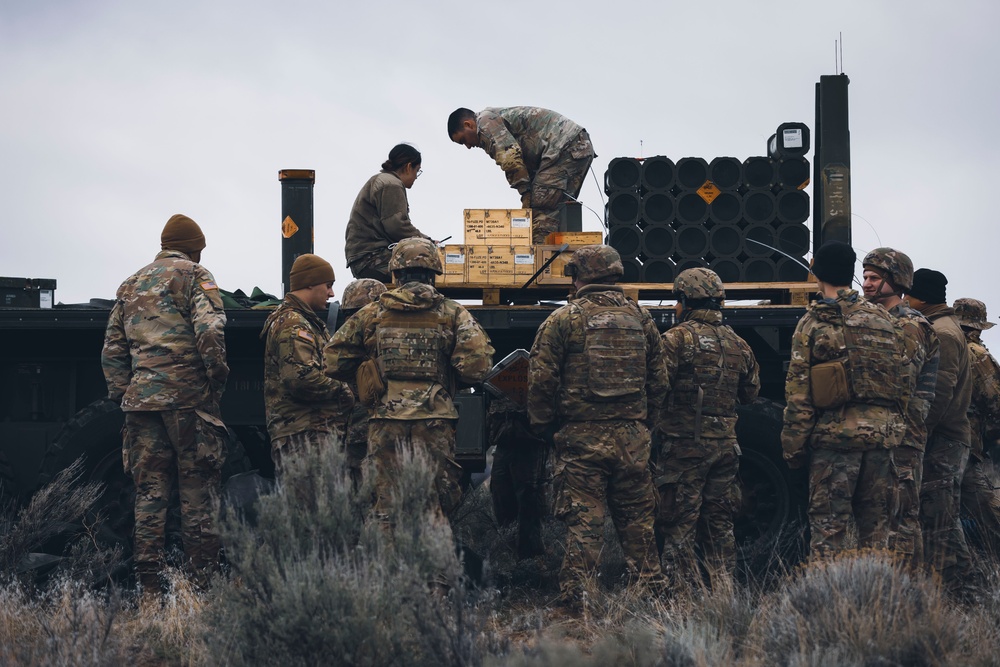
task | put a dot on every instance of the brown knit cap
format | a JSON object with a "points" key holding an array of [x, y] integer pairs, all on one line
{"points": [[183, 234], [309, 270]]}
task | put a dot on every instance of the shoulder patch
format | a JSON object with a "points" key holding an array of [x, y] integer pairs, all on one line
{"points": [[306, 336], [209, 285]]}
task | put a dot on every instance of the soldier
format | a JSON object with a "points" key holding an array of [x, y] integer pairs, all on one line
{"points": [[544, 155], [947, 452], [164, 359], [380, 216], [979, 499], [426, 347], [597, 380], [845, 401], [304, 407], [710, 369], [358, 294], [888, 274]]}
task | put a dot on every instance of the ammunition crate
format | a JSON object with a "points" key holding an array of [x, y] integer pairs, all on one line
{"points": [[484, 226], [453, 261], [27, 292], [510, 264], [553, 274], [575, 238]]}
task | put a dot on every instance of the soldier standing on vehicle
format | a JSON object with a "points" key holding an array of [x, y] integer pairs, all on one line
{"points": [[845, 401], [357, 295], [164, 358], [888, 274], [597, 380], [421, 348], [304, 407], [544, 155], [979, 499], [710, 369], [947, 453]]}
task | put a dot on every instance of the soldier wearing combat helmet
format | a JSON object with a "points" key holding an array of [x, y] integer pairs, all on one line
{"points": [[711, 369], [596, 383], [358, 294], [845, 401], [979, 500], [423, 348], [888, 275]]}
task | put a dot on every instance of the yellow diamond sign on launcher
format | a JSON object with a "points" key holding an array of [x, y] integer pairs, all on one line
{"points": [[288, 227]]}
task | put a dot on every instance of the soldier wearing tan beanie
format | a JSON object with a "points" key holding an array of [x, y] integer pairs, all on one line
{"points": [[304, 407], [309, 270], [183, 234], [164, 360]]}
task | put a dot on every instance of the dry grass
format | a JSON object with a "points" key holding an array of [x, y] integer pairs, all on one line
{"points": [[318, 582]]}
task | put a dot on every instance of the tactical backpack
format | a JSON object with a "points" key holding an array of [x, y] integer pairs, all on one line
{"points": [[613, 362], [411, 344], [872, 372], [710, 378]]}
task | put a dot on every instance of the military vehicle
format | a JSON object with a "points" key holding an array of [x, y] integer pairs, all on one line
{"points": [[53, 405]]}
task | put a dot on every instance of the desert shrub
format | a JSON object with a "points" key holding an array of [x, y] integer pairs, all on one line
{"points": [[858, 609], [57, 530], [321, 581], [67, 624]]}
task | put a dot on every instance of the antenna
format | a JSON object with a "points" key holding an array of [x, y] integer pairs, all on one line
{"points": [[841, 52], [640, 149]]}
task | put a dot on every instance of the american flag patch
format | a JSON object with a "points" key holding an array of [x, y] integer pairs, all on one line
{"points": [[209, 284], [306, 335]]}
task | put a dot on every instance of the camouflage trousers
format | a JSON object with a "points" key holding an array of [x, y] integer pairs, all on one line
{"points": [[298, 443], [905, 532], [388, 437], [981, 503], [556, 179], [602, 462], [356, 445], [374, 265], [846, 485], [182, 449], [945, 548], [698, 496]]}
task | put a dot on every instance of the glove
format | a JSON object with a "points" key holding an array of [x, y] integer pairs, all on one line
{"points": [[526, 200]]}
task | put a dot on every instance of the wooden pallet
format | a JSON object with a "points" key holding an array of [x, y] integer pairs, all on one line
{"points": [[787, 293]]}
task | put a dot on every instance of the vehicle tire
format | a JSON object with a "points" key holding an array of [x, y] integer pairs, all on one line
{"points": [[770, 520]]}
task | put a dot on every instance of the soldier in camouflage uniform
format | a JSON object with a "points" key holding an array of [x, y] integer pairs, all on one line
{"points": [[544, 155], [888, 274], [948, 439], [164, 359], [304, 406], [710, 369], [597, 380], [427, 347], [845, 406], [358, 294], [980, 500]]}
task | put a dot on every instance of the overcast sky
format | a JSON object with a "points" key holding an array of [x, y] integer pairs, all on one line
{"points": [[118, 114]]}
